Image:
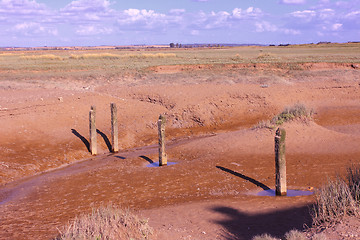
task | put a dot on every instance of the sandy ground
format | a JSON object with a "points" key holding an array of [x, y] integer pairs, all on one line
{"points": [[47, 175]]}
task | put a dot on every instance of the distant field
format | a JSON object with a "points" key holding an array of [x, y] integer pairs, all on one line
{"points": [[20, 65]]}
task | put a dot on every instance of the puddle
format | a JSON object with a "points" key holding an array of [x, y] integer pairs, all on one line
{"points": [[290, 193], [156, 164]]}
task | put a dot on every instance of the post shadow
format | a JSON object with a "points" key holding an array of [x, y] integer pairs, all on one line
{"points": [[146, 158], [82, 138], [257, 183], [106, 139], [240, 225]]}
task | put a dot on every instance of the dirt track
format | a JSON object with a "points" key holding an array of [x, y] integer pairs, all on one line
{"points": [[220, 159]]}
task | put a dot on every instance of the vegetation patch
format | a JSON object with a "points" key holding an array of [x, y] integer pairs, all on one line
{"points": [[42, 57], [151, 55], [337, 199], [298, 111], [107, 223], [96, 56], [267, 57], [292, 235]]}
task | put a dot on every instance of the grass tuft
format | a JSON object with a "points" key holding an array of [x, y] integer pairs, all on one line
{"points": [[292, 235], [337, 199], [267, 57], [107, 223], [298, 111], [291, 113], [295, 235], [264, 236]]}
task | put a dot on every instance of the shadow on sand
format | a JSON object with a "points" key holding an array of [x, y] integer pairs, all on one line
{"points": [[106, 139], [238, 225], [82, 138], [257, 183], [86, 142], [146, 158]]}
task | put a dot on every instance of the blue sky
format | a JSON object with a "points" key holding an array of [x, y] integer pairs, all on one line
{"points": [[123, 22]]}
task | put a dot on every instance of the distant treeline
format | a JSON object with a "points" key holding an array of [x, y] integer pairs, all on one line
{"points": [[209, 45]]}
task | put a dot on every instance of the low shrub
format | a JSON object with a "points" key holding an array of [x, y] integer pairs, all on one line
{"points": [[106, 223], [292, 235], [298, 111], [337, 199]]}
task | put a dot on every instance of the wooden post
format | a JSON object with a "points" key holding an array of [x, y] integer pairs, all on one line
{"points": [[114, 129], [280, 163], [93, 139], [162, 153]]}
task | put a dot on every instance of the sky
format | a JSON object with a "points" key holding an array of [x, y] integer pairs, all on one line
{"points": [[31, 23]]}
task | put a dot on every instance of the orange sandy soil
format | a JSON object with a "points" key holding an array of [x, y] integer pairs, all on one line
{"points": [[48, 177]]}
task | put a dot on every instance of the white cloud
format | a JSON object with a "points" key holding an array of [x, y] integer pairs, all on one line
{"points": [[352, 15], [250, 12], [87, 10], [336, 26], [306, 14], [87, 6], [22, 7], [93, 30], [293, 1], [34, 29], [326, 13], [195, 32], [265, 26], [149, 19], [177, 11]]}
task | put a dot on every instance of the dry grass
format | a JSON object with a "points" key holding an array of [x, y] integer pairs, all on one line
{"points": [[267, 57], [114, 64], [264, 236], [118, 56], [95, 56], [42, 57], [151, 55], [295, 235], [107, 223], [298, 111], [337, 199], [292, 235]]}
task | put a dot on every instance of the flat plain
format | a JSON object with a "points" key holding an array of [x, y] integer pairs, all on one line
{"points": [[212, 99]]}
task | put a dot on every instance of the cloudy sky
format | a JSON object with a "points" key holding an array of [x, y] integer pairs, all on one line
{"points": [[120, 22]]}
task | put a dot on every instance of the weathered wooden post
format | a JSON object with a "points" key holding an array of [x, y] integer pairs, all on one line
{"points": [[162, 153], [93, 139], [280, 163], [114, 129]]}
